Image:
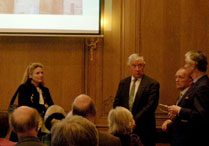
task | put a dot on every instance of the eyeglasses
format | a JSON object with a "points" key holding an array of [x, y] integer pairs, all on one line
{"points": [[139, 65]]}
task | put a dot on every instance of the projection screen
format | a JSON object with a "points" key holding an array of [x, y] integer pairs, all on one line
{"points": [[50, 16]]}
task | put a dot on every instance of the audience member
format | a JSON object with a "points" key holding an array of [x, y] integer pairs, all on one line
{"points": [[121, 124], [84, 106], [4, 129], [140, 94], [24, 121], [183, 83], [33, 93], [53, 115], [191, 115], [74, 131]]}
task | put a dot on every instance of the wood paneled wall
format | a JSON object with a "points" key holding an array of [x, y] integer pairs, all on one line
{"points": [[162, 31], [63, 59]]}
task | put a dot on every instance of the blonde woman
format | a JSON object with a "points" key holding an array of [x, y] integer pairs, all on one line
{"points": [[32, 91], [121, 124]]}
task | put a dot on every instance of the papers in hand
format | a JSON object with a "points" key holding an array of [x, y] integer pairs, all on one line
{"points": [[163, 108]]}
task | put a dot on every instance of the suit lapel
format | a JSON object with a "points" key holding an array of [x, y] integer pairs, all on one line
{"points": [[126, 89], [186, 94], [127, 85], [140, 91], [192, 89]]}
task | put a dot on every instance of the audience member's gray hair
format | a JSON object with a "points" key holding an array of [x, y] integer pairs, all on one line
{"points": [[53, 114], [74, 131], [120, 121], [134, 57], [198, 58]]}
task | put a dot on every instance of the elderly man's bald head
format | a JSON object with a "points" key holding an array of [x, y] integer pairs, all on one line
{"points": [[82, 101], [83, 105], [24, 119]]}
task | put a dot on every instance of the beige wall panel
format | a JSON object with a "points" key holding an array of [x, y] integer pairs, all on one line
{"points": [[160, 44], [94, 74], [131, 30], [194, 26], [111, 60], [64, 66]]}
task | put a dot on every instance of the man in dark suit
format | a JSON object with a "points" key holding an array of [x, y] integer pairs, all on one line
{"points": [[191, 115], [25, 121], [183, 83], [84, 106], [140, 94]]}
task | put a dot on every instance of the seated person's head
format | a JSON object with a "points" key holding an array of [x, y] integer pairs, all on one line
{"points": [[76, 131], [120, 121], [25, 120], [53, 114], [4, 124], [84, 106]]}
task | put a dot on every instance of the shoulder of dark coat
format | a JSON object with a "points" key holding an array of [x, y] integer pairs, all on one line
{"points": [[127, 79], [150, 80], [103, 135]]}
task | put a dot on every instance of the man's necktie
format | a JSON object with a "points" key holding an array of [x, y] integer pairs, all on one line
{"points": [[179, 99], [131, 95]]}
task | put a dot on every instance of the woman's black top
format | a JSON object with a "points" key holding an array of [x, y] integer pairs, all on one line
{"points": [[29, 96]]}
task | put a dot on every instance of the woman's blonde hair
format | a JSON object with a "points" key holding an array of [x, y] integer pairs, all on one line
{"points": [[120, 121], [29, 71]]}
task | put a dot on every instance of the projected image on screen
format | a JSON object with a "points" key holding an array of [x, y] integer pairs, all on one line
{"points": [[50, 16]]}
